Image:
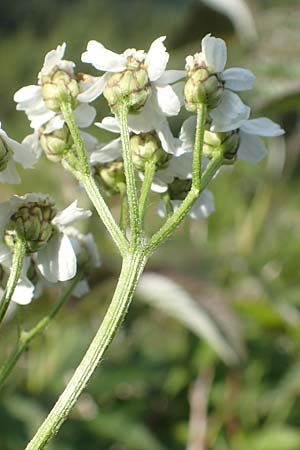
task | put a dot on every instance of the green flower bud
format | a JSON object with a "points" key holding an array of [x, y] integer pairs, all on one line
{"points": [[5, 154], [179, 189], [131, 85], [57, 143], [110, 176], [32, 221], [227, 143], [147, 147], [202, 85], [54, 84]]}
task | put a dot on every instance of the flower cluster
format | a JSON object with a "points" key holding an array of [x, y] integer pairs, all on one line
{"points": [[138, 83]]}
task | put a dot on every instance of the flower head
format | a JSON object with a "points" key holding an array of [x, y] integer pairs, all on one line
{"points": [[208, 82], [34, 217], [138, 77], [41, 102]]}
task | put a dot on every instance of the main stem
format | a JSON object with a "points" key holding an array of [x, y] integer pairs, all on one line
{"points": [[132, 198], [17, 261], [27, 336], [132, 268]]}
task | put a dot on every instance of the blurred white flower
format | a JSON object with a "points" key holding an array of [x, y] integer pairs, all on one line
{"points": [[10, 153], [203, 207], [251, 147]]}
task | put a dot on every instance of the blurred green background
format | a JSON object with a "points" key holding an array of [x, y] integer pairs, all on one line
{"points": [[225, 374]]}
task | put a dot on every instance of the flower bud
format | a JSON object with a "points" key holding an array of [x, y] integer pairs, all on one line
{"points": [[227, 143], [146, 147], [54, 84], [202, 85], [5, 154], [179, 189], [131, 85], [32, 221], [110, 176], [57, 143]]}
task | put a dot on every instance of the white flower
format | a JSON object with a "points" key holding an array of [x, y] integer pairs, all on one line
{"points": [[164, 99], [30, 98], [55, 256], [203, 207], [10, 152], [87, 254], [251, 147], [231, 112], [114, 149]]}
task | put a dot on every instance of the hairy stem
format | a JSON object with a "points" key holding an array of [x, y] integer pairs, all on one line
{"points": [[132, 268], [132, 198], [198, 148], [146, 187], [17, 261]]}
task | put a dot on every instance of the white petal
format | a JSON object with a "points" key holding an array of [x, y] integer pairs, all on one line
{"points": [[187, 134], [108, 153], [263, 127], [5, 255], [56, 123], [84, 115], [70, 215], [230, 114], [57, 260], [148, 118], [251, 148], [95, 89], [203, 207], [168, 141], [238, 79], [81, 289], [214, 52], [24, 292], [103, 59], [168, 100], [158, 185], [110, 124], [32, 140], [23, 153], [38, 120], [53, 58], [27, 93], [171, 76], [10, 174], [90, 142], [157, 59], [181, 166]]}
